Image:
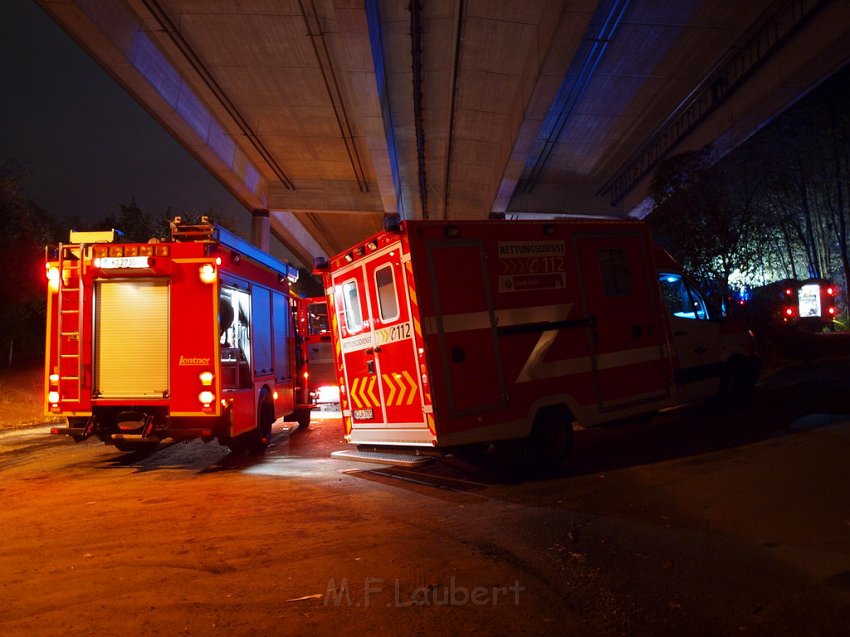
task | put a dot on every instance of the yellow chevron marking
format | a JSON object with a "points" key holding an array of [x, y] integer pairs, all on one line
{"points": [[389, 382], [370, 392], [355, 398], [412, 384], [402, 390]]}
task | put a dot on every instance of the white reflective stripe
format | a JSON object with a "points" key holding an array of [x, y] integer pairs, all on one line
{"points": [[628, 357], [535, 369], [538, 314], [504, 318], [458, 322]]}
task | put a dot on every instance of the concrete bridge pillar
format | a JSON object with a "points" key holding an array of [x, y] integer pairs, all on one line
{"points": [[260, 229]]}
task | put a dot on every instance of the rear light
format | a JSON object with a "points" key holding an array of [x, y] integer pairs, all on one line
{"points": [[53, 277], [206, 398], [789, 311], [206, 378], [53, 397], [830, 291], [831, 311], [207, 272]]}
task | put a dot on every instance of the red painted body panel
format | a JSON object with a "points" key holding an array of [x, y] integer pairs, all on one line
{"points": [[507, 318]]}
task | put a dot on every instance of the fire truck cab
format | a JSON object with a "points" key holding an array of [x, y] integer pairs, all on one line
{"points": [[187, 338], [460, 333]]}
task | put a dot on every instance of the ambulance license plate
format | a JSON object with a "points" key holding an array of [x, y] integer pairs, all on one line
{"points": [[363, 414]]}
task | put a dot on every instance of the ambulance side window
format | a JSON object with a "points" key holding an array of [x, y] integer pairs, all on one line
{"points": [[387, 299], [681, 299], [351, 303], [616, 280]]}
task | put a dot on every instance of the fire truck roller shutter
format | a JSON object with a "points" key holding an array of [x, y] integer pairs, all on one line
{"points": [[132, 324]]}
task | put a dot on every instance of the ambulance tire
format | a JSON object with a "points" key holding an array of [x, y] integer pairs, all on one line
{"points": [[737, 384], [550, 443]]}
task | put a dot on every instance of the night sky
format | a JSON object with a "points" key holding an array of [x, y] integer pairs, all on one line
{"points": [[85, 144]]}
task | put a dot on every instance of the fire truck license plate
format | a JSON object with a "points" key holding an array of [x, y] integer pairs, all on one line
{"points": [[363, 414]]}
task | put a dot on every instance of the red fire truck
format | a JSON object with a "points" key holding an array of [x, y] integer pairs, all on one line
{"points": [[314, 330], [188, 338], [460, 333]]}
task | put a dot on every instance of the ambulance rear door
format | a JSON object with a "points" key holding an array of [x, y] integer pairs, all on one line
{"points": [[376, 335]]}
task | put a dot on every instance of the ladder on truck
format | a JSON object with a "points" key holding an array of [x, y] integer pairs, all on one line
{"points": [[68, 347]]}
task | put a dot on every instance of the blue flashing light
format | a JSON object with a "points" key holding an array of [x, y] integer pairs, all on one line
{"points": [[249, 250]]}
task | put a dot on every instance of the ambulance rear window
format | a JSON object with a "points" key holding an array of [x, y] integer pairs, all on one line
{"points": [[387, 300], [351, 303]]}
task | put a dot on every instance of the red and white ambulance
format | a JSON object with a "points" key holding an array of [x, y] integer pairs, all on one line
{"points": [[459, 333], [188, 338]]}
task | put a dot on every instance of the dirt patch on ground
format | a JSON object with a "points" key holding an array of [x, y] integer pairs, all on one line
{"points": [[21, 396]]}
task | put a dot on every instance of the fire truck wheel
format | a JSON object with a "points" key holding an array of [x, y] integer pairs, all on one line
{"points": [[551, 439], [265, 417], [303, 418], [139, 447], [258, 440]]}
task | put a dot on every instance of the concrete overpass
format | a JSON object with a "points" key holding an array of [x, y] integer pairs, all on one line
{"points": [[330, 113]]}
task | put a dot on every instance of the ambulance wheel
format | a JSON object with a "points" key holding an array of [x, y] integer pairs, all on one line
{"points": [[551, 440], [737, 383]]}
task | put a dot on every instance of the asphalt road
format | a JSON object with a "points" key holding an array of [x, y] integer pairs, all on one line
{"points": [[698, 522]]}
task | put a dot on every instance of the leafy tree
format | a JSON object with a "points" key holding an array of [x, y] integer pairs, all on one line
{"points": [[24, 231], [706, 224]]}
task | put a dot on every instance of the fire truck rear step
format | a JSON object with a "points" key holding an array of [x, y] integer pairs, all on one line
{"points": [[399, 459]]}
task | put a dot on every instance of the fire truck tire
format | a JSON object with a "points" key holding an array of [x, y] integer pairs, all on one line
{"points": [[129, 446], [257, 440], [551, 440], [303, 418], [265, 417]]}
